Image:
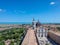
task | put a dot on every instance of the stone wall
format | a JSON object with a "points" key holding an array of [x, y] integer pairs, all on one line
{"points": [[54, 36]]}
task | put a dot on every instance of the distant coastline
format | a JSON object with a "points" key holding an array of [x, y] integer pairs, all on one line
{"points": [[25, 23], [15, 22]]}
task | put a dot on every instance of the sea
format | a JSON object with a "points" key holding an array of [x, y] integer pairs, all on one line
{"points": [[15, 22], [25, 23]]}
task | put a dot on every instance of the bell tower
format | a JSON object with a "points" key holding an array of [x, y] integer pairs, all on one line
{"points": [[34, 24], [38, 24]]}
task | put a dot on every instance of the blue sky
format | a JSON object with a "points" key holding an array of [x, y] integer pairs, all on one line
{"points": [[25, 10]]}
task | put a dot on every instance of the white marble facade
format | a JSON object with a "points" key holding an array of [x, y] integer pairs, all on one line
{"points": [[42, 32], [34, 24]]}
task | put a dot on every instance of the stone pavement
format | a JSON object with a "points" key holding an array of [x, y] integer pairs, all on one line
{"points": [[30, 38]]}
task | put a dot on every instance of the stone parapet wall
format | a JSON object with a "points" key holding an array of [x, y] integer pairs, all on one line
{"points": [[54, 36], [30, 38]]}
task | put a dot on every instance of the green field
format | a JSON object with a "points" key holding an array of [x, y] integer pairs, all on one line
{"points": [[14, 34]]}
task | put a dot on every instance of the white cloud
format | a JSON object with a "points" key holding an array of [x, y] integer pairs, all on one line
{"points": [[52, 3], [2, 10]]}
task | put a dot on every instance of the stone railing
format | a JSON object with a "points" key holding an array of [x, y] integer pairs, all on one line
{"points": [[54, 36]]}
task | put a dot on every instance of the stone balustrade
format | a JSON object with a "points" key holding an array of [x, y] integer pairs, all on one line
{"points": [[54, 36]]}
